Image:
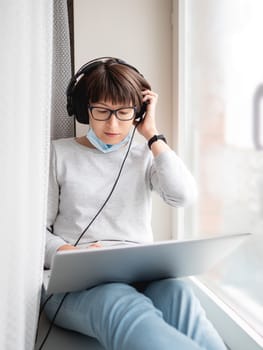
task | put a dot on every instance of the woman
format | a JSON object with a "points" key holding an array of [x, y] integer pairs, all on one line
{"points": [[100, 193]]}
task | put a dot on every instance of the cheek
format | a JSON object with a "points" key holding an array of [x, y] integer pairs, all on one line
{"points": [[95, 126], [91, 122], [128, 127]]}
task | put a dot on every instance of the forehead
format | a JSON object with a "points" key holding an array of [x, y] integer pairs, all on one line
{"points": [[111, 104]]}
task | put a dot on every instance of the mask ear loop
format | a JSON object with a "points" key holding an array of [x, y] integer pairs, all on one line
{"points": [[77, 241]]}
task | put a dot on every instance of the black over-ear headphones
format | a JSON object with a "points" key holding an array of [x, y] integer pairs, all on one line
{"points": [[79, 110]]}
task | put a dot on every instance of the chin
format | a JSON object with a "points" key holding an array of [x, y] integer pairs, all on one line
{"points": [[112, 140]]}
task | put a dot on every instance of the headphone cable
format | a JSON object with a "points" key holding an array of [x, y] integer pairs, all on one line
{"points": [[52, 320], [77, 241], [110, 194]]}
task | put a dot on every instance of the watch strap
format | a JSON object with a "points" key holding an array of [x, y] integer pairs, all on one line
{"points": [[156, 138]]}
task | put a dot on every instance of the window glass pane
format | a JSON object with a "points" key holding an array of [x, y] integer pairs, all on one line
{"points": [[223, 97]]}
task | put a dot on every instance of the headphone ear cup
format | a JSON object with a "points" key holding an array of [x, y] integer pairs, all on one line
{"points": [[77, 102], [81, 113], [140, 115], [70, 108], [69, 92]]}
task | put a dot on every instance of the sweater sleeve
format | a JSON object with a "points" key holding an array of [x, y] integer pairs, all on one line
{"points": [[172, 180], [53, 242]]}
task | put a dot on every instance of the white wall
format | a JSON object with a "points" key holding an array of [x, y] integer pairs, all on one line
{"points": [[139, 32]]}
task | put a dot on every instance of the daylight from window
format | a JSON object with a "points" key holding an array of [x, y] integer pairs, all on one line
{"points": [[223, 87]]}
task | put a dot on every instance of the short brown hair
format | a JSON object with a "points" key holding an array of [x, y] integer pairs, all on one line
{"points": [[113, 81]]}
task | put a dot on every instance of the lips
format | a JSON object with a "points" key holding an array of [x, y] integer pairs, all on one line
{"points": [[111, 134]]}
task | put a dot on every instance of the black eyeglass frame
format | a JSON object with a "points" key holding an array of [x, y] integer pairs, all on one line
{"points": [[113, 111]]}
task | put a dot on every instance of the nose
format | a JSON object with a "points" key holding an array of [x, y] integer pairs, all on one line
{"points": [[113, 119]]}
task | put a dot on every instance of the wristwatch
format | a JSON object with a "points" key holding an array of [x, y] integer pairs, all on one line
{"points": [[155, 138]]}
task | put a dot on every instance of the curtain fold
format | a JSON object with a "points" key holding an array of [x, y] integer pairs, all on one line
{"points": [[25, 107], [61, 124]]}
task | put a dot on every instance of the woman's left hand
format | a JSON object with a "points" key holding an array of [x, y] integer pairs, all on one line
{"points": [[147, 127]]}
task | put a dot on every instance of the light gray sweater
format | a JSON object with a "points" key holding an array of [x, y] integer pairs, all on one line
{"points": [[81, 179]]}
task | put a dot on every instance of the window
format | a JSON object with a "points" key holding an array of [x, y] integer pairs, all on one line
{"points": [[221, 116]]}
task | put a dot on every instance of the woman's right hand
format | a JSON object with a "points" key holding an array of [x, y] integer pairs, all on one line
{"points": [[72, 247], [66, 247]]}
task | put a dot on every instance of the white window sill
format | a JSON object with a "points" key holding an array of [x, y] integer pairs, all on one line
{"points": [[237, 334]]}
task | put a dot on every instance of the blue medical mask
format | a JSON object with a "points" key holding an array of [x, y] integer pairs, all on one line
{"points": [[104, 147]]}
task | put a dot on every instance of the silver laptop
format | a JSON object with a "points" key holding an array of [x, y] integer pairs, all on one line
{"points": [[84, 268]]}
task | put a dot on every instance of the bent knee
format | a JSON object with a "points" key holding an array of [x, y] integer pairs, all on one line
{"points": [[120, 304], [112, 291], [170, 287], [118, 298]]}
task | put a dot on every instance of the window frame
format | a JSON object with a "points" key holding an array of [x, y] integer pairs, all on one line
{"points": [[236, 333]]}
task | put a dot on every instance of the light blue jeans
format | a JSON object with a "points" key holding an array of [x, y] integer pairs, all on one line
{"points": [[166, 315]]}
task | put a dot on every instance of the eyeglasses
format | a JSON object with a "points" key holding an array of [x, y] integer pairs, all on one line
{"points": [[102, 114]]}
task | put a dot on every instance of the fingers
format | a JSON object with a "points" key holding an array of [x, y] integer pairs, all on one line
{"points": [[147, 127], [149, 96], [66, 247], [95, 245]]}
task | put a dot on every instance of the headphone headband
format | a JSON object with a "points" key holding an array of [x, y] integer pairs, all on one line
{"points": [[79, 111]]}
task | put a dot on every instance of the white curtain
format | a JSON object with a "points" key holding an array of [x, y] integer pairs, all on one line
{"points": [[25, 73]]}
